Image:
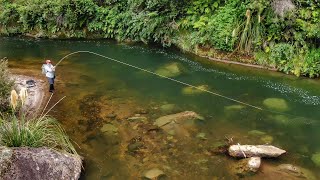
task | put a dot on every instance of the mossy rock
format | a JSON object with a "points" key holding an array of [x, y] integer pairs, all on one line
{"points": [[256, 133], [267, 139], [280, 119], [316, 159], [276, 104], [109, 129], [193, 91], [170, 70], [167, 107], [233, 107]]}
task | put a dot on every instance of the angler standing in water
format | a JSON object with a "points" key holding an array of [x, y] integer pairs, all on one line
{"points": [[49, 70]]}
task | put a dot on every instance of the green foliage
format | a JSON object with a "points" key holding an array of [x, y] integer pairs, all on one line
{"points": [[212, 22], [251, 29], [37, 132], [241, 26], [311, 65], [5, 86], [282, 53]]}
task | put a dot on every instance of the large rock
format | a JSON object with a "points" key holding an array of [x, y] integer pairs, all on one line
{"points": [[179, 123], [38, 164], [246, 167], [193, 91], [170, 70], [154, 173], [255, 151], [281, 7], [285, 171], [183, 117], [109, 129], [276, 104], [316, 159]]}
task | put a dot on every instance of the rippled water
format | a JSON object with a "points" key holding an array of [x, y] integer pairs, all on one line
{"points": [[102, 92]]}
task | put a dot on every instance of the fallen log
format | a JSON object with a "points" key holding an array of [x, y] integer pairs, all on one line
{"points": [[244, 151]]}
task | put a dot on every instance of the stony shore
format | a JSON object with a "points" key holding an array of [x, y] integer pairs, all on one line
{"points": [[36, 92], [36, 163]]}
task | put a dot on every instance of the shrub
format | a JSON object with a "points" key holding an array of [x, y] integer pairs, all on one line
{"points": [[282, 55], [37, 132], [5, 86], [311, 65]]}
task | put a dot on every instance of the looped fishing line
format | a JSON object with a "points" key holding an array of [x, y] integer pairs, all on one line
{"points": [[186, 84]]}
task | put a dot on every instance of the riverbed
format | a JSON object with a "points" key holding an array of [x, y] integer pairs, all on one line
{"points": [[110, 108]]}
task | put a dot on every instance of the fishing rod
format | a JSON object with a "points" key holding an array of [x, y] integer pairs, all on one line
{"points": [[183, 83]]}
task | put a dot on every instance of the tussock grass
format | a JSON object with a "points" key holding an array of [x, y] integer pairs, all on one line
{"points": [[36, 132]]}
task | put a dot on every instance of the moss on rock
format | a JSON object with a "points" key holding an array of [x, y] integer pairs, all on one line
{"points": [[276, 104]]}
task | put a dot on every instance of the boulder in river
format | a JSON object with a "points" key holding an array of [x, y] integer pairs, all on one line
{"points": [[170, 70], [154, 173], [285, 171], [167, 107], [255, 151], [235, 107], [178, 123], [38, 164], [246, 167], [192, 91], [276, 104], [256, 133], [267, 139], [109, 129], [179, 118], [316, 159]]}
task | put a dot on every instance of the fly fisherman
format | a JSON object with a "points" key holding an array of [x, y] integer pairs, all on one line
{"points": [[49, 70]]}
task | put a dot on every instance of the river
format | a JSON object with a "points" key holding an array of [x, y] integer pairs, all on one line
{"points": [[101, 95]]}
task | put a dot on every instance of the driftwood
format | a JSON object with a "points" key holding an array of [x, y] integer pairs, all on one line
{"points": [[244, 151]]}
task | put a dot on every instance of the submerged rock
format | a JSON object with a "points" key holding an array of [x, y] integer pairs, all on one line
{"points": [[316, 159], [201, 136], [233, 107], [153, 173], [267, 139], [247, 167], [193, 91], [38, 164], [256, 133], [138, 118], [276, 104], [286, 171], [178, 123], [170, 70], [183, 117], [167, 107], [280, 119], [255, 151], [109, 129]]}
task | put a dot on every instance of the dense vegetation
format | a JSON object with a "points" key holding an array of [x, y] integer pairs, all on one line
{"points": [[21, 131], [281, 33], [6, 85]]}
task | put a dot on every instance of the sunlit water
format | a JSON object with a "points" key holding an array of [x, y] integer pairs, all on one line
{"points": [[100, 91]]}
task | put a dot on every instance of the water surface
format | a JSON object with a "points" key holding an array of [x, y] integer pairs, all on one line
{"points": [[100, 91]]}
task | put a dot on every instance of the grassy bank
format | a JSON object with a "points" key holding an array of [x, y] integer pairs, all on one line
{"points": [[17, 129], [282, 34]]}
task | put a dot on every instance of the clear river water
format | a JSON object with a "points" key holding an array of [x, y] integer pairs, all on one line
{"points": [[110, 109]]}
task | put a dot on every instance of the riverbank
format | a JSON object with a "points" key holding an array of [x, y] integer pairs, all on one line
{"points": [[36, 96], [35, 146]]}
